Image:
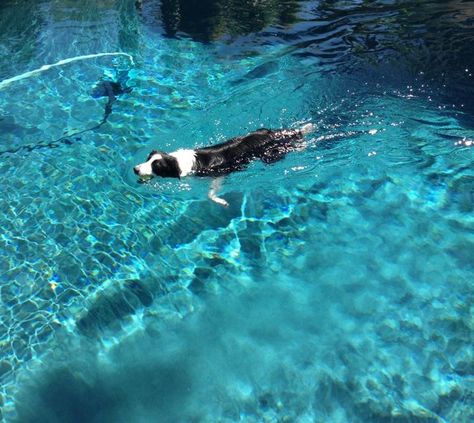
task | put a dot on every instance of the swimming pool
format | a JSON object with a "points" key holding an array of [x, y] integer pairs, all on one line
{"points": [[337, 286]]}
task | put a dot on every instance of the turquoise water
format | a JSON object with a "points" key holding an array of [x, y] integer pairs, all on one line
{"points": [[337, 286]]}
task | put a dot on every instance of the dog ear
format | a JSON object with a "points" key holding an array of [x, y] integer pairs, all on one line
{"points": [[151, 154], [166, 167], [173, 166]]}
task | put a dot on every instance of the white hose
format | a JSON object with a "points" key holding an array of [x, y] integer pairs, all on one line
{"points": [[43, 68]]}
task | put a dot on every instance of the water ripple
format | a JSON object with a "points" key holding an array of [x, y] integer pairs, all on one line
{"points": [[336, 284]]}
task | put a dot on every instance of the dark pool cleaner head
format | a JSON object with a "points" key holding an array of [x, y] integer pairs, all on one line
{"points": [[109, 89]]}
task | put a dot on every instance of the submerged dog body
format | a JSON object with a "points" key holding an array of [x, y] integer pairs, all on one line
{"points": [[221, 159]]}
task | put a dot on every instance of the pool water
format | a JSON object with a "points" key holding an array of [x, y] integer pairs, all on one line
{"points": [[336, 287]]}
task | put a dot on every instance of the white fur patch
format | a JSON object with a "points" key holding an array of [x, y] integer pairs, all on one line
{"points": [[213, 190], [144, 169], [186, 161]]}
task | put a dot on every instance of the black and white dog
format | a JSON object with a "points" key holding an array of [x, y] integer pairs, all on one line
{"points": [[221, 159]]}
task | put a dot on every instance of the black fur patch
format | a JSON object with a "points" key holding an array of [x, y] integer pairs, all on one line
{"points": [[153, 152], [166, 167], [236, 153]]}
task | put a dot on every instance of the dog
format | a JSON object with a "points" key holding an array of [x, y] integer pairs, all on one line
{"points": [[218, 160]]}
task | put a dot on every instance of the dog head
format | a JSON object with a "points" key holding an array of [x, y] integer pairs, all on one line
{"points": [[158, 164]]}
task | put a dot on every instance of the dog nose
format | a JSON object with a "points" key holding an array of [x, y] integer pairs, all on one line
{"points": [[135, 169]]}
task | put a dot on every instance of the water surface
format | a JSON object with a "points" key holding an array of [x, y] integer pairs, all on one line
{"points": [[337, 287]]}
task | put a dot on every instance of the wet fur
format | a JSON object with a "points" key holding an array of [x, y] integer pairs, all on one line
{"points": [[221, 159], [230, 156]]}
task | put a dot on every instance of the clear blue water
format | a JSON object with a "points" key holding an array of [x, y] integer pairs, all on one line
{"points": [[337, 287]]}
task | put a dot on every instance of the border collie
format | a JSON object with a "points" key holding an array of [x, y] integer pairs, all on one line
{"points": [[221, 159]]}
